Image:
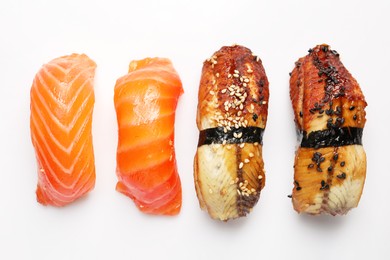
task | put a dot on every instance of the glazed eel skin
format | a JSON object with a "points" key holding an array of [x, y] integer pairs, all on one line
{"points": [[330, 164], [231, 117]]}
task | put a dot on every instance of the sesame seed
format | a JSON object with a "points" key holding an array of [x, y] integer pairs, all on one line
{"points": [[241, 106], [249, 70], [342, 175], [235, 75], [224, 142], [251, 155], [223, 91], [244, 84], [255, 143], [264, 102], [246, 160], [229, 76], [241, 165], [257, 58], [260, 177], [239, 193], [212, 92], [217, 75], [236, 72], [235, 135], [239, 135], [242, 145], [229, 147]]}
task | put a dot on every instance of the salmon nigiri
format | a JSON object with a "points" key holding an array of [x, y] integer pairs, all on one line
{"points": [[145, 102], [62, 100]]}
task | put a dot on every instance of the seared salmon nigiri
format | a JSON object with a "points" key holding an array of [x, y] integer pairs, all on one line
{"points": [[145, 102]]}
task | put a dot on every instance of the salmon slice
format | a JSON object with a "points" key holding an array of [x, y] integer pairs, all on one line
{"points": [[145, 102], [329, 110], [62, 100]]}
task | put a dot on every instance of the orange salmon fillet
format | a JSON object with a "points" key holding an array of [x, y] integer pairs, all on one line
{"points": [[145, 102], [62, 100]]}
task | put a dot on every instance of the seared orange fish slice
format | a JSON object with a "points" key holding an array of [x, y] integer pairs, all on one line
{"points": [[62, 100], [145, 102]]}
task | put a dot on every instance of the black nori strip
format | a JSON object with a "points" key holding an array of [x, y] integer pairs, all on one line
{"points": [[333, 137], [250, 134]]}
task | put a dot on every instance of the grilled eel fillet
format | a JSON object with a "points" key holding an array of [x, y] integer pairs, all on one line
{"points": [[231, 117], [330, 164]]}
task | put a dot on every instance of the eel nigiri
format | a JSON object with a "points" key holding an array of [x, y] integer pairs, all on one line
{"points": [[232, 115], [62, 101], [145, 102], [330, 164]]}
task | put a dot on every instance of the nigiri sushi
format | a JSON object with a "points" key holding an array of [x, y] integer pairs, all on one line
{"points": [[231, 117], [145, 102], [330, 164], [62, 101]]}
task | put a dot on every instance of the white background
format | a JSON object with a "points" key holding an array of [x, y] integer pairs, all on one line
{"points": [[106, 224]]}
